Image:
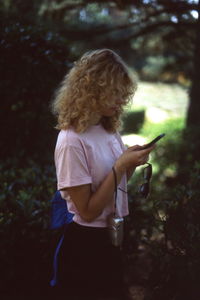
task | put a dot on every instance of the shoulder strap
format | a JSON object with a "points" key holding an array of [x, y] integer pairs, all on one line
{"points": [[115, 181]]}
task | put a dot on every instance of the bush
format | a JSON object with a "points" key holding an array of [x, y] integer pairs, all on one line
{"points": [[26, 250], [167, 223], [176, 259], [34, 61], [132, 121]]}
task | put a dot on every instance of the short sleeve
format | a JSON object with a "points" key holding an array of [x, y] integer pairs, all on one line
{"points": [[71, 167]]}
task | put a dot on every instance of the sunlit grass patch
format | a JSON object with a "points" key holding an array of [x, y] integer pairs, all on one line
{"points": [[150, 130], [171, 98], [169, 127]]}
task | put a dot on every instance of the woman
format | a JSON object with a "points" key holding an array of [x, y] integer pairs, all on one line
{"points": [[90, 160]]}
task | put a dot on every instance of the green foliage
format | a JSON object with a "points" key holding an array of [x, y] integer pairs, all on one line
{"points": [[34, 61], [171, 127], [154, 67], [176, 259], [167, 223], [95, 13], [23, 186], [25, 218], [164, 159], [166, 154]]}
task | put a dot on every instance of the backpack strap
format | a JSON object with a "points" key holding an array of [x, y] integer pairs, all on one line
{"points": [[54, 280], [60, 216]]}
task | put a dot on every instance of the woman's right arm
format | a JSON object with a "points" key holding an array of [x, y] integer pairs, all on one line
{"points": [[90, 205]]}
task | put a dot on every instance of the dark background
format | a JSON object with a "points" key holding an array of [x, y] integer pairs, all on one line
{"points": [[40, 40]]}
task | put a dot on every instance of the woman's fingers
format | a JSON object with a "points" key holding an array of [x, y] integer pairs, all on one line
{"points": [[134, 156], [134, 148], [148, 150], [140, 148], [144, 155], [144, 159]]}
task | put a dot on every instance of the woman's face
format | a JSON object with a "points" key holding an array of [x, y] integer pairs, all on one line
{"points": [[113, 108]]}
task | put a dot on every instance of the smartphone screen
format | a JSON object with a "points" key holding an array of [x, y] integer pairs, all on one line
{"points": [[153, 142]]}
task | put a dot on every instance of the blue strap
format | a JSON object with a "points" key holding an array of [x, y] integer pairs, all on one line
{"points": [[53, 281], [60, 216]]}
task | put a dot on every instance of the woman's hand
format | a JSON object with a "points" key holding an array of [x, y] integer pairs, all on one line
{"points": [[133, 157]]}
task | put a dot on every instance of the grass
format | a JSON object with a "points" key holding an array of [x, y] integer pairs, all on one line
{"points": [[171, 98]]}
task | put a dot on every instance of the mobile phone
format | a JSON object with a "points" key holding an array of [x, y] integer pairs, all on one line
{"points": [[153, 142]]}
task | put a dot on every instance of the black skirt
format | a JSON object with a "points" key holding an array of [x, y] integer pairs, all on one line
{"points": [[89, 266]]}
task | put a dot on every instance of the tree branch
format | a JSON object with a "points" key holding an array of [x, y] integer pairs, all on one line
{"points": [[103, 29], [53, 7], [150, 28], [82, 34]]}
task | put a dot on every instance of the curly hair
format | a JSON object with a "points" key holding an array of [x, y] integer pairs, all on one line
{"points": [[90, 85]]}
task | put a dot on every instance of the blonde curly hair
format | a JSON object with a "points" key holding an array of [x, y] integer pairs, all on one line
{"points": [[89, 87]]}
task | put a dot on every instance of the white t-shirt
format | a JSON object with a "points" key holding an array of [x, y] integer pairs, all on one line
{"points": [[86, 158]]}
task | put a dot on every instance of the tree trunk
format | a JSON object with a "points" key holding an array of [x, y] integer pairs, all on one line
{"points": [[189, 155], [193, 116]]}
